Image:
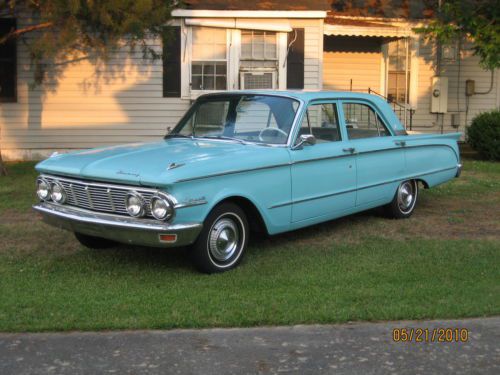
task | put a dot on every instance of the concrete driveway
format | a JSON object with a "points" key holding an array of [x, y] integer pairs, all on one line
{"points": [[360, 348]]}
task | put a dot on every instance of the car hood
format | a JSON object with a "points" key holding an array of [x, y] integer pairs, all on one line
{"points": [[161, 163]]}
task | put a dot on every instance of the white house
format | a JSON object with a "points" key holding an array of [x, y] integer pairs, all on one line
{"points": [[231, 45]]}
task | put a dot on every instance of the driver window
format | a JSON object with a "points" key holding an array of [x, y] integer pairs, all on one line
{"points": [[321, 120], [363, 122]]}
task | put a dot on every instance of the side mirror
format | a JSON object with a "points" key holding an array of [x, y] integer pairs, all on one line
{"points": [[305, 139]]}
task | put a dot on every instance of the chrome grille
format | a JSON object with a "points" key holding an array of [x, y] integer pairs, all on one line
{"points": [[100, 196]]}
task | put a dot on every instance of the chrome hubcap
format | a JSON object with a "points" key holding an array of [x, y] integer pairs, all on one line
{"points": [[406, 195], [223, 239]]}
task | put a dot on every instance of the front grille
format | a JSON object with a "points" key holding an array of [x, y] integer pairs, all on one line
{"points": [[100, 196]]}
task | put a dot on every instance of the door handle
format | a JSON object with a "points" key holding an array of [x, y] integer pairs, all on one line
{"points": [[400, 143], [349, 150]]}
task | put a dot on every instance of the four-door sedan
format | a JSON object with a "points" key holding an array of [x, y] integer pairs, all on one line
{"points": [[245, 161]]}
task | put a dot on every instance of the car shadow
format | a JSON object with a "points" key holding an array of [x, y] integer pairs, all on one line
{"points": [[313, 231], [177, 259], [148, 257]]}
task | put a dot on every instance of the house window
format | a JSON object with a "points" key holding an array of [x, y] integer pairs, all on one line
{"points": [[449, 52], [398, 78], [7, 62], [209, 59], [258, 45], [259, 59]]}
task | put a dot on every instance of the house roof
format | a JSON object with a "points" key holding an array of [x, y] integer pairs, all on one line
{"points": [[410, 9], [258, 4]]}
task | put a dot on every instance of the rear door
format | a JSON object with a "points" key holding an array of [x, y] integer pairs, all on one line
{"points": [[380, 158]]}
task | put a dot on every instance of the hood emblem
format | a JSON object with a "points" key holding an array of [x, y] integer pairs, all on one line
{"points": [[174, 165], [128, 173]]}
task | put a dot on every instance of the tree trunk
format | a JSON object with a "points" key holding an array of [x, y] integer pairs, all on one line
{"points": [[3, 170]]}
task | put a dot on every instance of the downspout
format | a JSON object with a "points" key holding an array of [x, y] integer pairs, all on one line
{"points": [[289, 46]]}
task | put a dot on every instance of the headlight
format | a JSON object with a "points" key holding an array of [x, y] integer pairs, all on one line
{"points": [[42, 189], [161, 207], [58, 194], [134, 204]]}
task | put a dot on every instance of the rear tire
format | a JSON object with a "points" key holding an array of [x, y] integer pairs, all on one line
{"points": [[404, 201], [223, 240], [94, 242]]}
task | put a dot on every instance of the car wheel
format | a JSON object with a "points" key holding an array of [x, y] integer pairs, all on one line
{"points": [[223, 240], [404, 201], [94, 242]]}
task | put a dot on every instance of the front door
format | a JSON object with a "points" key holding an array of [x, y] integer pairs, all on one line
{"points": [[324, 174], [380, 159]]}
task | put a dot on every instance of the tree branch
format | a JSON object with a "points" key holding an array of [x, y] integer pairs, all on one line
{"points": [[17, 33]]}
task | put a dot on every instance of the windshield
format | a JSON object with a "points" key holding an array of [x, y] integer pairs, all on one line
{"points": [[245, 117]]}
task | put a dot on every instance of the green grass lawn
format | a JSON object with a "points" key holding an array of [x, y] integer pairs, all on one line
{"points": [[441, 263]]}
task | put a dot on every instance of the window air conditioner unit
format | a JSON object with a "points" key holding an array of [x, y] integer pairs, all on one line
{"points": [[258, 80]]}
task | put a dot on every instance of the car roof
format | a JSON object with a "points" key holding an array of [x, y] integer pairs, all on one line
{"points": [[305, 95]]}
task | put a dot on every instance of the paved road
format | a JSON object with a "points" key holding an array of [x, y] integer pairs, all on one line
{"points": [[361, 348]]}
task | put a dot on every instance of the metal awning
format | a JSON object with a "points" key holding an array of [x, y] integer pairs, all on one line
{"points": [[279, 25], [358, 27]]}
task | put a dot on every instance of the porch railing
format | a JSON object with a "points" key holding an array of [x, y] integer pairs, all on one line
{"points": [[404, 113]]}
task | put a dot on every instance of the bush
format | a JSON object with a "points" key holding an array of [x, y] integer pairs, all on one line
{"points": [[483, 135]]}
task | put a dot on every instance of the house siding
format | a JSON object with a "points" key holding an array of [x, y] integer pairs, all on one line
{"points": [[84, 104], [360, 59], [427, 122]]}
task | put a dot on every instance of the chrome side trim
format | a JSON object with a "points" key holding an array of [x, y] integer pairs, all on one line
{"points": [[459, 169], [303, 161], [197, 202], [232, 172], [368, 152], [352, 190]]}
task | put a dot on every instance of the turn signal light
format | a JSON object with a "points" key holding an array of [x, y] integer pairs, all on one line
{"points": [[169, 238]]}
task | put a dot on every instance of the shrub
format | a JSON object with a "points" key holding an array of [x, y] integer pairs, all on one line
{"points": [[483, 135]]}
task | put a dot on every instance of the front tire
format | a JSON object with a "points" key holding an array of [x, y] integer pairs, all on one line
{"points": [[94, 242], [223, 240], [404, 201]]}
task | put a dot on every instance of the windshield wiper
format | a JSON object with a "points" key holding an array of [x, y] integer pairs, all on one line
{"points": [[177, 135], [224, 138]]}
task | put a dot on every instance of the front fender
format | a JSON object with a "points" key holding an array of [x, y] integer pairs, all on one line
{"points": [[264, 189]]}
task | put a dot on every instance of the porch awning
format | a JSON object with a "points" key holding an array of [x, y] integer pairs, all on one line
{"points": [[358, 27], [282, 25]]}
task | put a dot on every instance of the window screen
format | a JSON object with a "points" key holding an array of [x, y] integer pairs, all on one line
{"points": [[8, 62]]}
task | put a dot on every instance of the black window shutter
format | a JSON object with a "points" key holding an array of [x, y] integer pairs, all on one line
{"points": [[295, 60], [172, 62], [8, 62]]}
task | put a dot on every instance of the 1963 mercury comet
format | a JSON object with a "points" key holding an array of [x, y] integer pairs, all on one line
{"points": [[240, 161]]}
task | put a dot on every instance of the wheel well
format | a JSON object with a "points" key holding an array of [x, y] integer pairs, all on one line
{"points": [[425, 184], [255, 220]]}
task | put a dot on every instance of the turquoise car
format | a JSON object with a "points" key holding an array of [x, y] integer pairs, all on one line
{"points": [[244, 162]]}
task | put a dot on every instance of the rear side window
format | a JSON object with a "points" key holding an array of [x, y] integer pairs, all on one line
{"points": [[322, 121], [363, 122]]}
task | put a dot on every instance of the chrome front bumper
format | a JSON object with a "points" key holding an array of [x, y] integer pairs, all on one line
{"points": [[144, 232]]}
